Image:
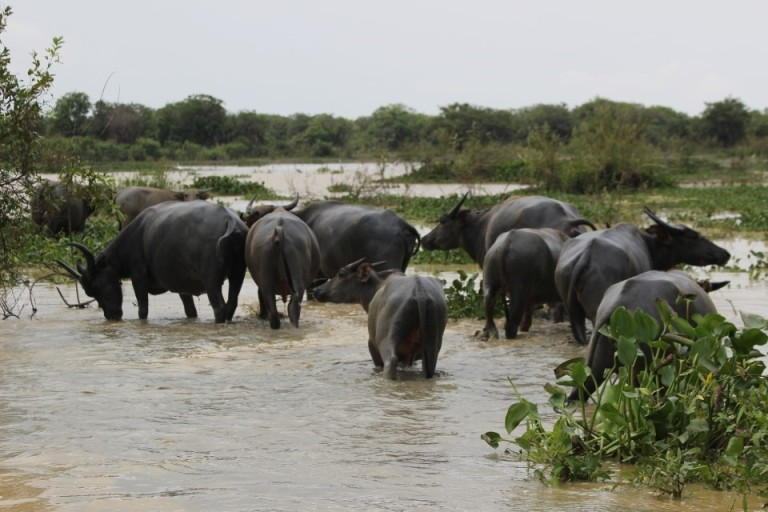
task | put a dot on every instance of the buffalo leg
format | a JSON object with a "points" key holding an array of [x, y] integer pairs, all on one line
{"points": [[189, 305], [234, 285], [578, 319], [274, 316], [217, 303], [294, 307], [525, 322], [377, 361], [142, 299], [490, 330], [515, 312]]}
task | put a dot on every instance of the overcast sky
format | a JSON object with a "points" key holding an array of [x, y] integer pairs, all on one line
{"points": [[350, 57]]}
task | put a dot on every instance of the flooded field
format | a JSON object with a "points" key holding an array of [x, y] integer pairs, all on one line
{"points": [[174, 414], [185, 415]]}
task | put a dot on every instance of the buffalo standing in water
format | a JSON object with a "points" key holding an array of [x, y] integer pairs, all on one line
{"points": [[407, 315], [183, 247]]}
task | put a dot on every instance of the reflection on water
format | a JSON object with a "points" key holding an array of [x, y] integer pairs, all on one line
{"points": [[177, 414]]}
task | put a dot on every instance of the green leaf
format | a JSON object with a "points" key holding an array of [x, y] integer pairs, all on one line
{"points": [[612, 414], [622, 323], [647, 327], [626, 348], [697, 425], [565, 367], [515, 414], [733, 450], [749, 339], [684, 327], [752, 321], [492, 438]]}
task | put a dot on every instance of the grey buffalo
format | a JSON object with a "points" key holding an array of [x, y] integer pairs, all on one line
{"points": [[640, 293], [134, 200], [283, 258], [476, 231], [59, 209], [183, 247], [520, 265], [350, 232], [407, 315], [592, 262]]}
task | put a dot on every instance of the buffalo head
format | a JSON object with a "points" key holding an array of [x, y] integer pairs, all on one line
{"points": [[254, 213], [684, 245], [98, 281], [447, 234], [351, 283]]}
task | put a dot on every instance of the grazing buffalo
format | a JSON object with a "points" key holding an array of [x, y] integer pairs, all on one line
{"points": [[521, 266], [475, 231], [254, 213], [134, 200], [592, 262], [406, 314], [350, 232], [641, 293], [59, 209], [283, 257], [183, 247]]}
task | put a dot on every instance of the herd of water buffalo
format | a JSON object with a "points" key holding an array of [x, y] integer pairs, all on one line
{"points": [[532, 250]]}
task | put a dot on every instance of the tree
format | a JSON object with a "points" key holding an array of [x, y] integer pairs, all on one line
{"points": [[394, 127], [123, 123], [725, 121], [20, 111], [70, 114], [200, 119]]}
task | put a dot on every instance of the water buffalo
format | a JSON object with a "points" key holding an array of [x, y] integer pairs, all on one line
{"points": [[183, 247], [406, 314], [59, 209], [475, 231], [350, 232], [283, 258], [521, 266], [254, 213], [134, 200], [590, 263], [641, 293]]}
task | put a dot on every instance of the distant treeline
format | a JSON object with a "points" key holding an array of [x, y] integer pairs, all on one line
{"points": [[465, 140]]}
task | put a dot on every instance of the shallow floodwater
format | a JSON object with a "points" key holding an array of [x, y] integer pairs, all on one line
{"points": [[184, 415]]}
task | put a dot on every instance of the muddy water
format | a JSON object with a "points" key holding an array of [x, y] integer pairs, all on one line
{"points": [[184, 415]]}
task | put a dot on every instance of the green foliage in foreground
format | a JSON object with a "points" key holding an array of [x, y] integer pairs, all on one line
{"points": [[697, 412]]}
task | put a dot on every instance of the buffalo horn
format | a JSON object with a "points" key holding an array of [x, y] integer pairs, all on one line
{"points": [[378, 264], [353, 266], [660, 222], [74, 273], [582, 222], [292, 204], [89, 259], [248, 208], [455, 210]]}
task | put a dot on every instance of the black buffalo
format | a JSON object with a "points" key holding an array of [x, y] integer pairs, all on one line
{"points": [[592, 262], [59, 209], [350, 232], [476, 231], [407, 315], [520, 265], [641, 293], [283, 258], [183, 247]]}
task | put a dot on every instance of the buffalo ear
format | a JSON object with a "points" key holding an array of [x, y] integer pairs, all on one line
{"points": [[660, 232], [364, 272]]}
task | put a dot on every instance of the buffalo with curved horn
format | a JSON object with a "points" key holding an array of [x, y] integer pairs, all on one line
{"points": [[187, 248], [476, 231], [592, 262], [254, 213]]}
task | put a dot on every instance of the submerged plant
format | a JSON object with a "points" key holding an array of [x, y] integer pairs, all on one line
{"points": [[689, 403]]}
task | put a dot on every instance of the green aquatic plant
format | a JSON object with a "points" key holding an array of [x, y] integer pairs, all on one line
{"points": [[696, 410]]}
